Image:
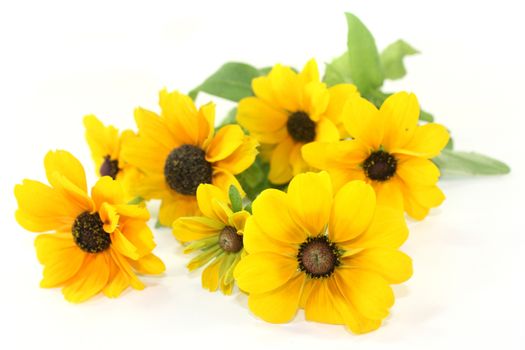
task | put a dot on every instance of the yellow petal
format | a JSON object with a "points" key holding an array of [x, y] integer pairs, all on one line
{"points": [[339, 96], [427, 142], [210, 275], [262, 88], [107, 190], [352, 212], [389, 193], [342, 176], [156, 131], [401, 114], [241, 158], [260, 273], [42, 208], [103, 141], [109, 217], [76, 197], [260, 117], [286, 87], [353, 319], [322, 302], [209, 198], [315, 100], [139, 234], [134, 211], [418, 200], [417, 172], [117, 283], [176, 206], [326, 131], [62, 259], [367, 291], [310, 201], [388, 229], [182, 118], [225, 142], [279, 305], [189, 229], [256, 241], [123, 245], [223, 179], [310, 72], [149, 264], [297, 161], [280, 168], [238, 220], [67, 165], [90, 279], [342, 155], [271, 212], [363, 122], [124, 266], [393, 265], [146, 154]]}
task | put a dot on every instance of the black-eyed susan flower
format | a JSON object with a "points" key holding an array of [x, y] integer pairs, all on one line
{"points": [[333, 256], [217, 234], [179, 150], [105, 143], [290, 110], [389, 150], [97, 243]]}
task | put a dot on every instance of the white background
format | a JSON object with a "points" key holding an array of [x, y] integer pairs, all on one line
{"points": [[62, 60]]}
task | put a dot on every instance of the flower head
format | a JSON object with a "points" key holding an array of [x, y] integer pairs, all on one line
{"points": [[290, 110], [389, 150], [179, 150], [96, 242], [106, 144], [217, 234], [334, 256]]}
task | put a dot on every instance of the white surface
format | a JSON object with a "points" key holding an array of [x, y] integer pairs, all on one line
{"points": [[60, 61]]}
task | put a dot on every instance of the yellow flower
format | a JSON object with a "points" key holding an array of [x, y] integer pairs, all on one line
{"points": [[106, 145], [290, 110], [217, 234], [98, 241], [390, 151], [179, 150], [334, 256]]}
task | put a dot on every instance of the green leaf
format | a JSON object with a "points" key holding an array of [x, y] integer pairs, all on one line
{"points": [[136, 200], [425, 116], [255, 179], [248, 207], [392, 59], [364, 65], [338, 71], [232, 81], [235, 199], [469, 163]]}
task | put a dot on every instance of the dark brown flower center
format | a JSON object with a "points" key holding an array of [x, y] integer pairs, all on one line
{"points": [[109, 167], [318, 257], [229, 240], [186, 168], [380, 166], [88, 233], [300, 127]]}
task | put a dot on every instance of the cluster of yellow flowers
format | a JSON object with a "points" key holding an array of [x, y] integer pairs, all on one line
{"points": [[328, 244]]}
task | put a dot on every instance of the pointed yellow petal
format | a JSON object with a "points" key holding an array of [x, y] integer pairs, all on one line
{"points": [[149, 264], [427, 142], [315, 100], [241, 158], [326, 131], [363, 122], [400, 113], [210, 275], [258, 116], [121, 244], [209, 198], [177, 206], [339, 96], [280, 167], [225, 142], [189, 229]]}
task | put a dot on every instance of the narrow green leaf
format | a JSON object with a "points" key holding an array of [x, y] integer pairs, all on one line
{"points": [[235, 199], [248, 207], [232, 81], [364, 63], [338, 71], [425, 116], [136, 200], [469, 163], [392, 59]]}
